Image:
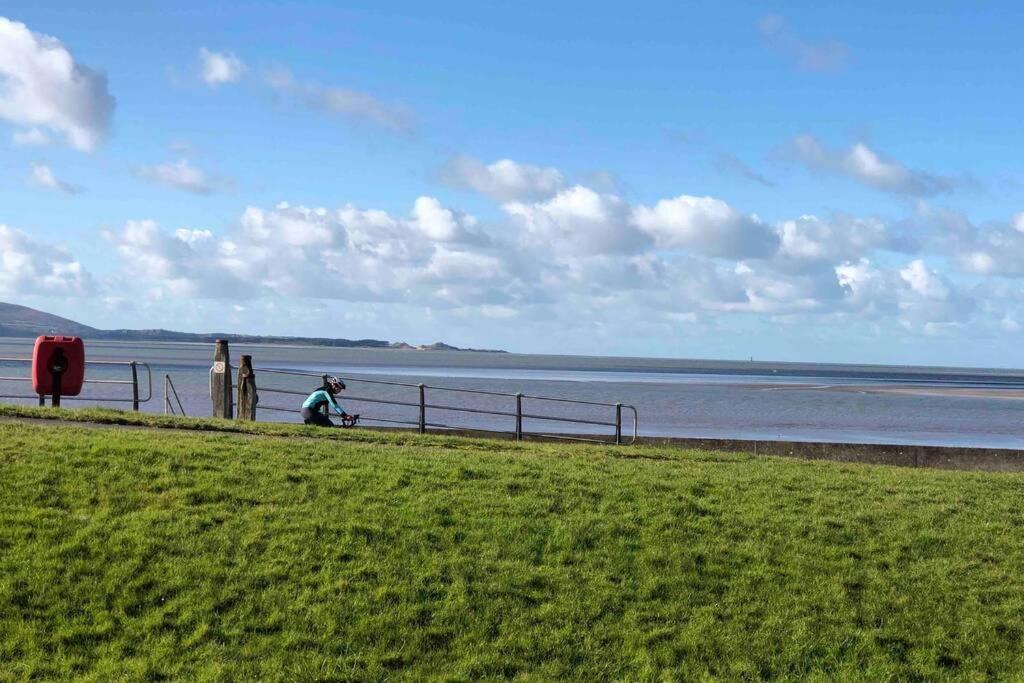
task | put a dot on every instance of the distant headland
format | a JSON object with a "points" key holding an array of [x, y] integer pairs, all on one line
{"points": [[22, 321]]}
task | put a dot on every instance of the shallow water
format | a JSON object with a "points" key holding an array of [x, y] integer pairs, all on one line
{"points": [[672, 397]]}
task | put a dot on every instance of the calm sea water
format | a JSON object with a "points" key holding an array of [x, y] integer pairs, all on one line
{"points": [[673, 397]]}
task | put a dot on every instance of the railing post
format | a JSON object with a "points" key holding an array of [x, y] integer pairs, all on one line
{"points": [[423, 409], [42, 400], [167, 401], [519, 416], [135, 386], [220, 381], [618, 424], [247, 396]]}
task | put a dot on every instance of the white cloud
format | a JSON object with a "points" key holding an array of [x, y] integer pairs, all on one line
{"points": [[179, 175], [354, 105], [42, 176], [1018, 221], [811, 239], [442, 224], [504, 180], [823, 56], [33, 137], [578, 221], [868, 167], [31, 267], [707, 225], [925, 282], [42, 87], [433, 256], [994, 248], [217, 68]]}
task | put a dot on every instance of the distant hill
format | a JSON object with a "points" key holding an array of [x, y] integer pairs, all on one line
{"points": [[21, 321]]}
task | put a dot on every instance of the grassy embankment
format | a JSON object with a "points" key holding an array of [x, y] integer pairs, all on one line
{"points": [[147, 554]]}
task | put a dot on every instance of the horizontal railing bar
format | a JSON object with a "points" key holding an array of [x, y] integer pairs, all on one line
{"points": [[382, 419], [296, 373], [568, 419], [568, 438], [15, 379], [468, 429], [467, 410], [107, 381], [271, 390], [75, 398], [88, 362], [469, 391], [569, 400], [280, 410], [349, 378], [379, 400]]}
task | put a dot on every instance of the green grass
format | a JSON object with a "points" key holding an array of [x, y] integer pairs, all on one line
{"points": [[148, 554]]}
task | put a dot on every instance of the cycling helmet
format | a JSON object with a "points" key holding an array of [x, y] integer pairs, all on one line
{"points": [[334, 384]]}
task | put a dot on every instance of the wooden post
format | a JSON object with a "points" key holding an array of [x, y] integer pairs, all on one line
{"points": [[220, 381], [247, 396]]}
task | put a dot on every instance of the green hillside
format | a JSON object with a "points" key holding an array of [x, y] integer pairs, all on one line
{"points": [[277, 555]]}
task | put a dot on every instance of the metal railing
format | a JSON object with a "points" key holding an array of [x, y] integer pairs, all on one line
{"points": [[421, 422], [170, 391], [133, 367]]}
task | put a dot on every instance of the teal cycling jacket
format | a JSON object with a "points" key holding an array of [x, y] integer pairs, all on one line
{"points": [[319, 398]]}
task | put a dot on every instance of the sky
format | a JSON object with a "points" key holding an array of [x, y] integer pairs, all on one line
{"points": [[801, 181]]}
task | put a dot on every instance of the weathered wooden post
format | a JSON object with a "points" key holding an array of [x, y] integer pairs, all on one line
{"points": [[247, 396], [220, 381]]}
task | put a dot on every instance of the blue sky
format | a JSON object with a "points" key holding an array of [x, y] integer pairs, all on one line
{"points": [[787, 180]]}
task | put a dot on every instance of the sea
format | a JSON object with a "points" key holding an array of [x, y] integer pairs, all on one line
{"points": [[974, 407]]}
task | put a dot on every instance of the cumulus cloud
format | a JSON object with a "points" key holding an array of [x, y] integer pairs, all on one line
{"points": [[682, 258], [42, 87], [707, 225], [577, 220], [217, 68], [178, 175], [31, 267], [993, 249], [824, 56], [809, 239], [869, 168], [504, 180], [354, 105], [42, 177], [433, 256]]}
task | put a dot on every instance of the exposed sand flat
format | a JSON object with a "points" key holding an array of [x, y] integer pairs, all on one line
{"points": [[902, 389]]}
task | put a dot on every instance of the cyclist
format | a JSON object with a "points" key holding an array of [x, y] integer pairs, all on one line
{"points": [[312, 406]]}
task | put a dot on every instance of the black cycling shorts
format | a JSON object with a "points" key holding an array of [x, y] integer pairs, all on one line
{"points": [[315, 417]]}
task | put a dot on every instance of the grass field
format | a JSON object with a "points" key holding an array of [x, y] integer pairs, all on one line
{"points": [[274, 555]]}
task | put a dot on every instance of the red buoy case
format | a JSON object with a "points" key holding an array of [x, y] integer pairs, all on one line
{"points": [[46, 355]]}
